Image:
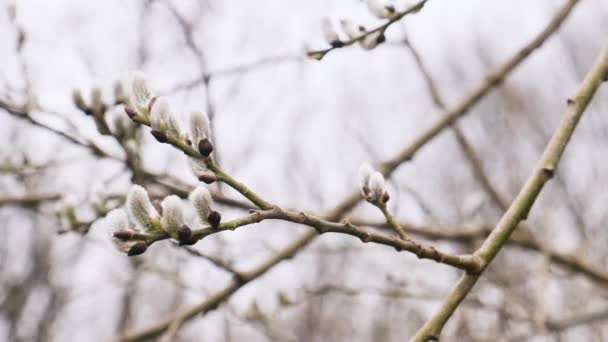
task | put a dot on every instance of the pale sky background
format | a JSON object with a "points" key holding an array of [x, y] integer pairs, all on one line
{"points": [[296, 131]]}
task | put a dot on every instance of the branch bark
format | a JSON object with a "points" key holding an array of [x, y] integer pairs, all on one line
{"points": [[521, 206]]}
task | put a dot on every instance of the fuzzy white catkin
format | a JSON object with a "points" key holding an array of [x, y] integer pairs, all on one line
{"points": [[116, 220], [376, 186], [378, 8], [199, 127], [140, 92], [140, 209], [173, 215], [329, 32], [349, 29], [201, 200], [365, 173], [163, 119]]}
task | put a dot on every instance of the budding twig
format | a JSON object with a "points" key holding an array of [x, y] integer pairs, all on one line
{"points": [[376, 32]]}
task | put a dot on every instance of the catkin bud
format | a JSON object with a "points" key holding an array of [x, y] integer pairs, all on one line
{"points": [[200, 128], [140, 93], [79, 101], [373, 187], [349, 29], [173, 216], [330, 34], [162, 119], [365, 173], [376, 186], [202, 201], [120, 97], [117, 220], [140, 208]]}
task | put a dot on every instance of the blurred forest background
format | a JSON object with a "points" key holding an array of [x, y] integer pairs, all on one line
{"points": [[296, 130]]}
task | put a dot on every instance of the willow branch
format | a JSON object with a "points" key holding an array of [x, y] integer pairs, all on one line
{"points": [[490, 81], [29, 199], [319, 54], [521, 206]]}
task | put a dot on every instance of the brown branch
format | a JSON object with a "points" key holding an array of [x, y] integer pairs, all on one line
{"points": [[28, 199]]}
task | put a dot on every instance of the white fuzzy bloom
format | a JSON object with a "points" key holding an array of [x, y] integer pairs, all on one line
{"points": [[379, 8], [163, 120], [201, 200], [365, 173], [140, 92], [329, 32], [173, 215], [119, 123], [200, 127], [349, 29], [116, 220], [376, 186], [140, 208]]}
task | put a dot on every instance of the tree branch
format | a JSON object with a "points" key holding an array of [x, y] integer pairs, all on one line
{"points": [[521, 206]]}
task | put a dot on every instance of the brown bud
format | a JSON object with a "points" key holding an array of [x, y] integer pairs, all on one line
{"points": [[381, 38], [207, 178], [385, 197], [137, 249], [205, 147], [131, 113], [123, 234], [184, 233], [214, 218], [160, 136]]}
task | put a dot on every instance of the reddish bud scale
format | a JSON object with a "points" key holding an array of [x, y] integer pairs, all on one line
{"points": [[159, 136], [385, 197], [131, 113], [137, 249], [123, 234], [207, 178]]}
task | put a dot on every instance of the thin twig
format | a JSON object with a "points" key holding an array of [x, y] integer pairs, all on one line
{"points": [[319, 54]]}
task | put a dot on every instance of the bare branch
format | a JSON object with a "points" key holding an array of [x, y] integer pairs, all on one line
{"points": [[520, 208]]}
